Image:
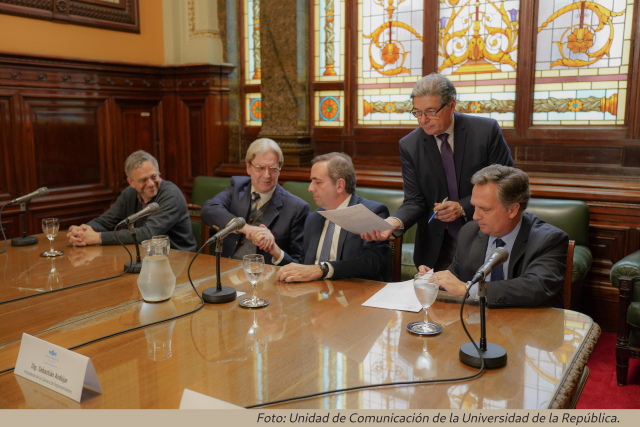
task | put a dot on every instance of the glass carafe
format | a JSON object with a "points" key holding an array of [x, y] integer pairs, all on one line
{"points": [[156, 281]]}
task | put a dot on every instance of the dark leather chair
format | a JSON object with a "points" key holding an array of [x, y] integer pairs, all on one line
{"points": [[204, 188], [625, 275]]}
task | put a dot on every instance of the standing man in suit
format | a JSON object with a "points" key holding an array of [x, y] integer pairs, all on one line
{"points": [[329, 252], [438, 160], [273, 215], [533, 275]]}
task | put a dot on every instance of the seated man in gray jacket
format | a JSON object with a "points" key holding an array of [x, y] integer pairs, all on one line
{"points": [[145, 186]]}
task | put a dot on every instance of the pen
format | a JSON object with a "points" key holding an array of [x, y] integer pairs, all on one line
{"points": [[436, 213]]}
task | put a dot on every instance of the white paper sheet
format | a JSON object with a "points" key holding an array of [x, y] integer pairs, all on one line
{"points": [[194, 400], [396, 296], [357, 219]]}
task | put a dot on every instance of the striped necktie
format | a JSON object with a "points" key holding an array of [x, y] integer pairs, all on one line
{"points": [[254, 202]]}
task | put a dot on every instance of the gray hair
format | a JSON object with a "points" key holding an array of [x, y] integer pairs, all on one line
{"points": [[136, 159], [263, 145], [339, 165], [513, 184], [435, 84]]}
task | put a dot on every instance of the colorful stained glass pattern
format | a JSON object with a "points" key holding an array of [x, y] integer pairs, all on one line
{"points": [[478, 51], [252, 62], [329, 33], [253, 108], [389, 40], [385, 107], [328, 110], [582, 62]]}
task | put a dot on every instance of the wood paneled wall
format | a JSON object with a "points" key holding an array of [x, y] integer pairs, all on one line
{"points": [[69, 125]]}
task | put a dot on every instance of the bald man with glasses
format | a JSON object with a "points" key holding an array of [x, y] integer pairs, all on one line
{"points": [[274, 216], [145, 187]]}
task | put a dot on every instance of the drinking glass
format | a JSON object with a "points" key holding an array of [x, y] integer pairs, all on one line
{"points": [[256, 339], [253, 266], [50, 227], [426, 287]]}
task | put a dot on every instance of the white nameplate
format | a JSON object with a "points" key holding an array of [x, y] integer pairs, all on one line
{"points": [[55, 367], [194, 400]]}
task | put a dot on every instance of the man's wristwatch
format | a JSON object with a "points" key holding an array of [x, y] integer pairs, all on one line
{"points": [[325, 269], [462, 214]]}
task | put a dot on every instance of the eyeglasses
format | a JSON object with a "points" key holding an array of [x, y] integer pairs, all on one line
{"points": [[153, 178], [261, 169], [428, 114]]}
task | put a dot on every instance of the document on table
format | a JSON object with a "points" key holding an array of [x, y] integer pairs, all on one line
{"points": [[356, 219], [396, 296]]}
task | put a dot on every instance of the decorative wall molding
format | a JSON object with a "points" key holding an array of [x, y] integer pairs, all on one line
{"points": [[198, 34]]}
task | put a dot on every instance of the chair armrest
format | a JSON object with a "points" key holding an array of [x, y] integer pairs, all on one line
{"points": [[628, 266], [193, 207], [394, 258]]}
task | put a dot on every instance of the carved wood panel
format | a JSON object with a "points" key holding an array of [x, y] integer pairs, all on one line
{"points": [[7, 175], [119, 15]]}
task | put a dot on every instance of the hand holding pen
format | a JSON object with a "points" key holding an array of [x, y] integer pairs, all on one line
{"points": [[436, 212]]}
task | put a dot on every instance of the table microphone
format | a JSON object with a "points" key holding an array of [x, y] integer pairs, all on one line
{"points": [[233, 226], [151, 208], [498, 256], [42, 191]]}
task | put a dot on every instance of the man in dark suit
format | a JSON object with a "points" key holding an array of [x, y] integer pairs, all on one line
{"points": [[533, 275], [329, 251], [273, 215], [438, 160]]}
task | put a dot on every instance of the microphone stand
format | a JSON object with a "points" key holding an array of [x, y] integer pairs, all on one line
{"points": [[494, 355], [24, 240], [220, 294], [135, 266]]}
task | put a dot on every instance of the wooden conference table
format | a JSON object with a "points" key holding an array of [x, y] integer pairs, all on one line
{"points": [[312, 337]]}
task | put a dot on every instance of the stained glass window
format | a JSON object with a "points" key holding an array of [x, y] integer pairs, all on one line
{"points": [[253, 108], [329, 109], [582, 62], [329, 25], [477, 51], [252, 41], [389, 59]]}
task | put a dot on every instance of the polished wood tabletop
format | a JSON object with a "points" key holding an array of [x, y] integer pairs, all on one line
{"points": [[313, 337]]}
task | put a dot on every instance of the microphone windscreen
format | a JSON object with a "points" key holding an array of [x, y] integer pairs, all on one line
{"points": [[153, 207], [503, 253], [42, 191]]}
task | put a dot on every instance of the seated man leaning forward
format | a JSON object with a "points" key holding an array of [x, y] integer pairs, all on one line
{"points": [[329, 251], [533, 275], [145, 186], [273, 215]]}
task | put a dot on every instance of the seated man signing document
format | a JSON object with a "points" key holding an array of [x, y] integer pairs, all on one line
{"points": [[328, 250], [145, 186], [533, 275]]}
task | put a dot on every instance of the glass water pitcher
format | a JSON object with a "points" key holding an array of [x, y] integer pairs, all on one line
{"points": [[156, 281]]}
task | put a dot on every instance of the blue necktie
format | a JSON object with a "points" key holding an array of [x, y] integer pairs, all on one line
{"points": [[254, 202], [498, 272], [326, 243], [452, 184]]}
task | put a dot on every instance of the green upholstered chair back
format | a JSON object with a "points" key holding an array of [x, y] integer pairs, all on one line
{"points": [[301, 189], [205, 187], [571, 216]]}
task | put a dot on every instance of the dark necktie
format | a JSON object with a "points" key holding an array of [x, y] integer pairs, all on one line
{"points": [[450, 173], [498, 272], [326, 243], [254, 202]]}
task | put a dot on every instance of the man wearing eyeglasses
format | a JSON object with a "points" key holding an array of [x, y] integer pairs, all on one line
{"points": [[145, 187], [274, 216], [438, 160]]}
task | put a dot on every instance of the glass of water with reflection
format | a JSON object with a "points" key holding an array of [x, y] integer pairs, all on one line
{"points": [[253, 266], [50, 227], [426, 287]]}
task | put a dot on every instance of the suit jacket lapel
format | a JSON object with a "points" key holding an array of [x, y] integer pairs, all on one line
{"points": [[520, 245], [343, 232], [316, 224], [478, 251], [244, 200], [431, 148], [273, 210], [459, 142]]}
